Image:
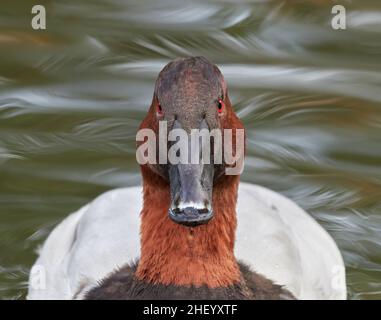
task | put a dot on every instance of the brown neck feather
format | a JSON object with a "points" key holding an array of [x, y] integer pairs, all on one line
{"points": [[179, 255]]}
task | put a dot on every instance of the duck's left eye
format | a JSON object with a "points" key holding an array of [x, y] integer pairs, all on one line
{"points": [[220, 106]]}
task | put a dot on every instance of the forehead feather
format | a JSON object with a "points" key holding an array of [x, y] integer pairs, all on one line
{"points": [[190, 77]]}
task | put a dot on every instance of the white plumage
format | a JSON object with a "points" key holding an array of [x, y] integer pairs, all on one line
{"points": [[275, 237]]}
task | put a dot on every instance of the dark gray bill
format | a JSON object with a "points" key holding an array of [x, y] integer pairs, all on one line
{"points": [[191, 193]]}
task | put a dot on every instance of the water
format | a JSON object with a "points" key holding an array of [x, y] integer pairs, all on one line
{"points": [[72, 97]]}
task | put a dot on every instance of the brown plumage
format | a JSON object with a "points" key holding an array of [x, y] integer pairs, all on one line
{"points": [[175, 254], [124, 285]]}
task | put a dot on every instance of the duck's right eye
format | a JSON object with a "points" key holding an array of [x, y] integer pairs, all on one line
{"points": [[159, 109]]}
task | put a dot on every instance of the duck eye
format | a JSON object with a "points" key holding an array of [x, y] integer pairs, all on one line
{"points": [[220, 106], [159, 109]]}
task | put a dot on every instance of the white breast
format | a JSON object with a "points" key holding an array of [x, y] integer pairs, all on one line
{"points": [[275, 237]]}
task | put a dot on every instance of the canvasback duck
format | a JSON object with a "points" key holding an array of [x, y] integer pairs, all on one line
{"points": [[201, 234]]}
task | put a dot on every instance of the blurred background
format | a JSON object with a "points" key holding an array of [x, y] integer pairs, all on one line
{"points": [[72, 97]]}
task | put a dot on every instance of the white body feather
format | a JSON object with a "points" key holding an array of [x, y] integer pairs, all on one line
{"points": [[275, 237]]}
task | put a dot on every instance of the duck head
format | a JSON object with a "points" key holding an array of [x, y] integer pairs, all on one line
{"points": [[190, 96]]}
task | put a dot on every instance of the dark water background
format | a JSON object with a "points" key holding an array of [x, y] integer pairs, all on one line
{"points": [[71, 98]]}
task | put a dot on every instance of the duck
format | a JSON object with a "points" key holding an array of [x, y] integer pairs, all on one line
{"points": [[191, 231]]}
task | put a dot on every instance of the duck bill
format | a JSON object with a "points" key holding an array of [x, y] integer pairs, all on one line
{"points": [[191, 194]]}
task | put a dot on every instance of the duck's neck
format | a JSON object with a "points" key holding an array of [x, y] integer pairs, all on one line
{"points": [[179, 255]]}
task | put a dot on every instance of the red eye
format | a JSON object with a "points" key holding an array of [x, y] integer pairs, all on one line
{"points": [[159, 109], [220, 106]]}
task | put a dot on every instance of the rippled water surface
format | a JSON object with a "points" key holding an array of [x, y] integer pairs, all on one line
{"points": [[72, 97]]}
